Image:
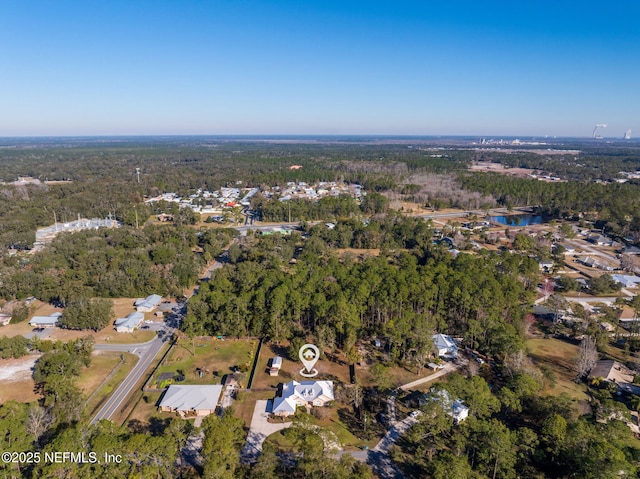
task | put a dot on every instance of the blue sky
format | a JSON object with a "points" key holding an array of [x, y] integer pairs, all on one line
{"points": [[319, 67]]}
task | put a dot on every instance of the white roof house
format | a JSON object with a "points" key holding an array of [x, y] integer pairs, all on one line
{"points": [[129, 323], [445, 346], [198, 400], [303, 393], [5, 318], [148, 304], [45, 321], [454, 408]]}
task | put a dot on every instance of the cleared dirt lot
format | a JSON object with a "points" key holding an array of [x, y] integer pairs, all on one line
{"points": [[16, 379]]}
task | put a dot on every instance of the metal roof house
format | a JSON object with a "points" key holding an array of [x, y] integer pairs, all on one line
{"points": [[45, 321], [445, 346], [303, 393], [454, 408], [148, 304], [129, 323], [627, 281], [193, 400]]}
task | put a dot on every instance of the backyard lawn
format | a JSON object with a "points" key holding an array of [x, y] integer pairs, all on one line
{"points": [[207, 360], [559, 356], [327, 369]]}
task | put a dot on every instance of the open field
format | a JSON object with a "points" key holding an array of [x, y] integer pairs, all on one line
{"points": [[102, 363], [108, 369], [18, 329], [489, 167], [559, 356], [214, 357], [17, 381], [146, 411], [371, 252]]}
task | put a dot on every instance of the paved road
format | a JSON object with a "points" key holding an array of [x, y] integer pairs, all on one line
{"points": [[135, 348], [449, 367], [378, 457], [147, 354]]}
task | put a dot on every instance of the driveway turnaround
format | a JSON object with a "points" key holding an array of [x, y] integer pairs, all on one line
{"points": [[259, 430]]}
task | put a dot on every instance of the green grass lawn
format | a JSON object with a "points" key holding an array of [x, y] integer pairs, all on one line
{"points": [[214, 357], [147, 409], [333, 423], [559, 356]]}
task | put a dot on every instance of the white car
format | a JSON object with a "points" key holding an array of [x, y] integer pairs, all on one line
{"points": [[415, 414]]}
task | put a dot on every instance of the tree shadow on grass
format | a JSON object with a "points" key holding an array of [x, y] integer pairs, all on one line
{"points": [[155, 427]]}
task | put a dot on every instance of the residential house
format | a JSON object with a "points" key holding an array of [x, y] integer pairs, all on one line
{"points": [[148, 304], [303, 393], [5, 318], [445, 345], [191, 400], [631, 250], [454, 408], [50, 321], [611, 371], [129, 323], [545, 265], [628, 316], [587, 261], [600, 240], [626, 280]]}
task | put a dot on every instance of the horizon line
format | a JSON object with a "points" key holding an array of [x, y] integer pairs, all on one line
{"points": [[311, 135]]}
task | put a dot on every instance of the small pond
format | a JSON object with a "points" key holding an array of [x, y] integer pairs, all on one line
{"points": [[518, 220]]}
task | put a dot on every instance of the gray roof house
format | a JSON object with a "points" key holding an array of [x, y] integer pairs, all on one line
{"points": [[445, 346], [45, 321], [148, 304], [129, 323], [191, 400], [627, 281]]}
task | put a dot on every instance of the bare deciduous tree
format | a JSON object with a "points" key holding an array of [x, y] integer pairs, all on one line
{"points": [[39, 421], [587, 357]]}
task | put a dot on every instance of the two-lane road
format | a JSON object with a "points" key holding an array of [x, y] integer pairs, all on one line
{"points": [[147, 352]]}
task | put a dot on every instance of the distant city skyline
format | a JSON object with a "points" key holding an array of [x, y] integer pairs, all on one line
{"points": [[227, 67]]}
